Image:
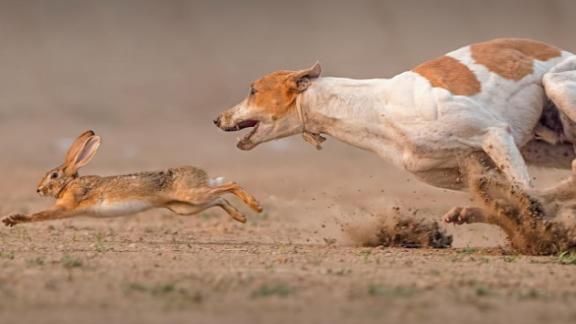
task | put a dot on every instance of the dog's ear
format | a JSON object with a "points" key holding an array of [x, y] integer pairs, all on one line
{"points": [[299, 81]]}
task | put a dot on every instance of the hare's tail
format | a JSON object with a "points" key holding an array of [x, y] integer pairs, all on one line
{"points": [[213, 182]]}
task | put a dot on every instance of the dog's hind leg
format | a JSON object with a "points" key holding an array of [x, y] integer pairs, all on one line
{"points": [[562, 192], [560, 87]]}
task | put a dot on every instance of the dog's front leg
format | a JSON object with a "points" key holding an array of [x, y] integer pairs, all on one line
{"points": [[49, 214], [499, 144]]}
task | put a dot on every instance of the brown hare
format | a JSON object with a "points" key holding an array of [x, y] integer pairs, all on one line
{"points": [[184, 190]]}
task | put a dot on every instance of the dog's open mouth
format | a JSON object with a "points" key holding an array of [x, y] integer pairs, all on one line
{"points": [[244, 124]]}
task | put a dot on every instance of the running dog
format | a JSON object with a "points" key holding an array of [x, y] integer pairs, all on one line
{"points": [[513, 100]]}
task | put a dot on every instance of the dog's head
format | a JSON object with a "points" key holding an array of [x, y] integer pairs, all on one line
{"points": [[270, 108]]}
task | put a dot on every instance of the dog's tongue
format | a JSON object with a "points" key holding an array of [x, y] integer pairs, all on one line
{"points": [[246, 123]]}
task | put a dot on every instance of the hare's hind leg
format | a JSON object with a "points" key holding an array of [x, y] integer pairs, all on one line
{"points": [[234, 188], [188, 208]]}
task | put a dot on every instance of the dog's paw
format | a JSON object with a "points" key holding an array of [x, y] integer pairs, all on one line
{"points": [[13, 219], [456, 215]]}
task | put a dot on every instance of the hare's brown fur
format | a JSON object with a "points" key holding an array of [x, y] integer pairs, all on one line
{"points": [[184, 190]]}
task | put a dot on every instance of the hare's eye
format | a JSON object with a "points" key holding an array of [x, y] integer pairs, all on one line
{"points": [[54, 175]]}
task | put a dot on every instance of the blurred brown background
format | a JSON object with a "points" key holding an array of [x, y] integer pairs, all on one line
{"points": [[149, 76]]}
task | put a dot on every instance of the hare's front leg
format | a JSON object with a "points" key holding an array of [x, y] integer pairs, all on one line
{"points": [[55, 213], [231, 210]]}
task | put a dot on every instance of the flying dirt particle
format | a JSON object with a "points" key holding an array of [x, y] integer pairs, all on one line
{"points": [[329, 241]]}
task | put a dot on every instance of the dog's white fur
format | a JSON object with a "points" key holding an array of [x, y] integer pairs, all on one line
{"points": [[423, 129]]}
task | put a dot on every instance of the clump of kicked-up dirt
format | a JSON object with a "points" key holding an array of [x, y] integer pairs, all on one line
{"points": [[398, 230]]}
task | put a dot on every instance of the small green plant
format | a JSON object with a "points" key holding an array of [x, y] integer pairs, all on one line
{"points": [[511, 258], [365, 254], [268, 290], [163, 289], [531, 294], [7, 255], [154, 290], [376, 290], [481, 291], [339, 272], [469, 250], [37, 261], [100, 244], [135, 286], [169, 290], [567, 257], [70, 262]]}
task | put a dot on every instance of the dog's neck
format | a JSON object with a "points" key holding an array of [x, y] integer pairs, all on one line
{"points": [[353, 111]]}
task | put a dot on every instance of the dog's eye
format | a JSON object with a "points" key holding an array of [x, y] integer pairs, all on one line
{"points": [[54, 175]]}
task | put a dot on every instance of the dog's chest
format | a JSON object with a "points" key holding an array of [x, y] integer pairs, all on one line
{"points": [[108, 208]]}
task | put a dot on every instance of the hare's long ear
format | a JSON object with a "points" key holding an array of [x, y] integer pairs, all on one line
{"points": [[77, 146], [81, 152]]}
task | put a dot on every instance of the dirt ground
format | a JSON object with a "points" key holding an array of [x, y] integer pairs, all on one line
{"points": [[149, 76], [291, 263]]}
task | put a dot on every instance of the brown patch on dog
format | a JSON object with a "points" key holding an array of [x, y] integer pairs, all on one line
{"points": [[512, 58], [274, 93], [448, 73]]}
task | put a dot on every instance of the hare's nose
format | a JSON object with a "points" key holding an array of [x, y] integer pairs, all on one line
{"points": [[38, 190], [217, 121]]}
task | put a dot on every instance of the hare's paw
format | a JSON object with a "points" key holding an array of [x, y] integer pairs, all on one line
{"points": [[239, 217], [255, 205], [14, 219]]}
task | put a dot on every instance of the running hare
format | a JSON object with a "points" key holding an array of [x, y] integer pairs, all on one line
{"points": [[184, 190]]}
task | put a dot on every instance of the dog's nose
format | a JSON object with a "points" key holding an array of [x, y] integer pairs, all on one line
{"points": [[38, 190], [217, 121]]}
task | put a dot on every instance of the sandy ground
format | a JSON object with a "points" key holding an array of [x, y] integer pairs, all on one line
{"points": [[149, 76], [291, 263]]}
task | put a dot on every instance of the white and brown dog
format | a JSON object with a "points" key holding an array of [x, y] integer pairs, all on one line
{"points": [[514, 99]]}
